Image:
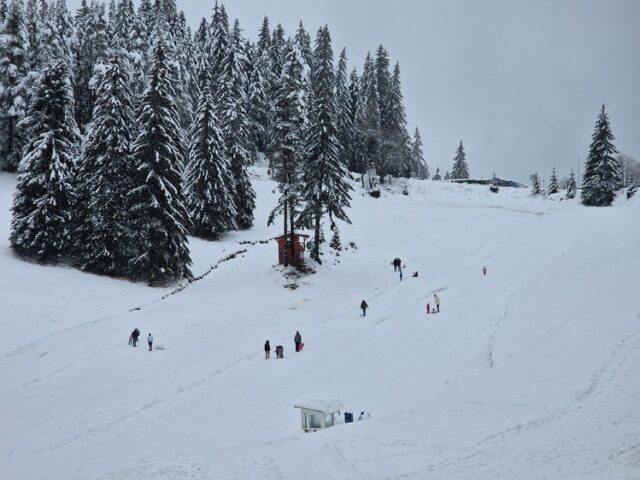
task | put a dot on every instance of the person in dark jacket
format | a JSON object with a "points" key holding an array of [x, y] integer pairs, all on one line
{"points": [[267, 350], [134, 337], [279, 351], [297, 339], [364, 306], [150, 342]]}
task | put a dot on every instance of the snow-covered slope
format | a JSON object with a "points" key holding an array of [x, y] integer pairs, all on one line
{"points": [[530, 372]]}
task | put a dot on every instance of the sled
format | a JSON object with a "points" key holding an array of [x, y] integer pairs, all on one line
{"points": [[300, 346]]}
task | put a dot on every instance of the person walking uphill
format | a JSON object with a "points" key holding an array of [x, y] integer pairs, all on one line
{"points": [[297, 340], [150, 342], [267, 350], [364, 307], [436, 301]]}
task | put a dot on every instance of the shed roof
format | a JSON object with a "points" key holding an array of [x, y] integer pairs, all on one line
{"points": [[324, 406]]}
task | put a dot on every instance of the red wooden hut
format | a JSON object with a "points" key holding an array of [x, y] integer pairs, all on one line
{"points": [[295, 254]]}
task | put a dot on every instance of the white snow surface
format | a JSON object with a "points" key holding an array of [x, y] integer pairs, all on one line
{"points": [[529, 372]]}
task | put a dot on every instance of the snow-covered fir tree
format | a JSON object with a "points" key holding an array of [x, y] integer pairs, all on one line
{"points": [[572, 188], [14, 70], [447, 175], [208, 181], [286, 151], [395, 136], [41, 224], [236, 129], [535, 185], [602, 175], [437, 176], [157, 205], [344, 111], [259, 108], [419, 167], [90, 53], [367, 125], [553, 183], [302, 40], [104, 231], [325, 178], [356, 161], [460, 169]]}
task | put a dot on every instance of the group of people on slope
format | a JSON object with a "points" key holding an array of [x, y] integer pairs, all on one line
{"points": [[297, 340], [135, 335]]}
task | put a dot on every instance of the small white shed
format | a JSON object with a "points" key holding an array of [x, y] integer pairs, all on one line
{"points": [[318, 414]]}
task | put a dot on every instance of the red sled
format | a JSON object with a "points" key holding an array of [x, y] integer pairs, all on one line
{"points": [[300, 346]]}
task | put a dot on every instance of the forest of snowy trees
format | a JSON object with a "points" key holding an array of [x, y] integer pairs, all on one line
{"points": [[128, 132]]}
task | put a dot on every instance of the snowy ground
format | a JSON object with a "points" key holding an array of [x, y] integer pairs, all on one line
{"points": [[531, 372]]}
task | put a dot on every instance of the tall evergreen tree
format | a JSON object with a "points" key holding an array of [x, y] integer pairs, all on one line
{"points": [[344, 108], [303, 41], [460, 168], [602, 175], [259, 107], [104, 232], [90, 50], [368, 118], [287, 142], [356, 161], [572, 188], [157, 202], [553, 183], [209, 185], [535, 185], [264, 37], [326, 188], [396, 140], [236, 130], [41, 224], [419, 168], [14, 70]]}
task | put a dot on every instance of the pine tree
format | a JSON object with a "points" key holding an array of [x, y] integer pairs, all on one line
{"points": [[602, 175], [447, 175], [535, 185], [157, 202], [264, 38], [236, 129], [42, 206], [326, 188], [303, 41], [437, 176], [572, 188], [259, 107], [553, 183], [14, 70], [419, 168], [105, 233], [344, 112], [90, 50], [209, 185], [33, 24], [356, 162], [367, 125], [460, 168], [396, 141], [287, 142], [218, 49]]}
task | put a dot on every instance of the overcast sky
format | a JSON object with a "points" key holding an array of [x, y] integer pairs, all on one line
{"points": [[520, 82]]}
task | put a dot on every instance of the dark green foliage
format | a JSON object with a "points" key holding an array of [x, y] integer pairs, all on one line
{"points": [[157, 202], [41, 224], [602, 175]]}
